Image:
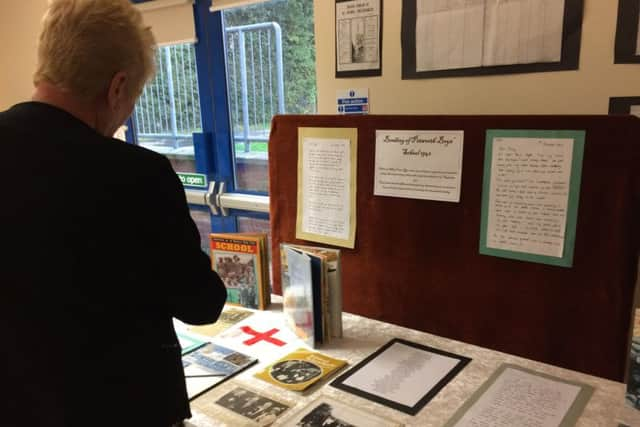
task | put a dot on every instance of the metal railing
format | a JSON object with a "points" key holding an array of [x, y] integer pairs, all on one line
{"points": [[168, 112], [169, 108], [255, 79]]}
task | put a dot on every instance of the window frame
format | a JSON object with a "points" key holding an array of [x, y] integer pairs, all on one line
{"points": [[213, 148]]}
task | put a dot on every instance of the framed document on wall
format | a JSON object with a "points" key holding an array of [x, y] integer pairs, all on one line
{"points": [[627, 50], [358, 38], [625, 105], [481, 37]]}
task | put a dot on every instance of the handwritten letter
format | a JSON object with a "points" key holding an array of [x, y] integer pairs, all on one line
{"points": [[520, 398], [529, 193], [326, 187]]}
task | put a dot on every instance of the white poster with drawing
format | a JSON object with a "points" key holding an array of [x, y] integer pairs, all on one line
{"points": [[358, 35]]}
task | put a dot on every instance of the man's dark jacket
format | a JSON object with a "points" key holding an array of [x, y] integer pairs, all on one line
{"points": [[98, 254]]}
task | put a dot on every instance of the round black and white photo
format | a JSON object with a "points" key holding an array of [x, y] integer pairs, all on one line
{"points": [[294, 371]]}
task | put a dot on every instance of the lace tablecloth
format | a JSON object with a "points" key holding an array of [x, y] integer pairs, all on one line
{"points": [[363, 336]]}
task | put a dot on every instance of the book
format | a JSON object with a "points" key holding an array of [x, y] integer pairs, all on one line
{"points": [[229, 317], [312, 292], [241, 261], [210, 365], [325, 411], [300, 369]]}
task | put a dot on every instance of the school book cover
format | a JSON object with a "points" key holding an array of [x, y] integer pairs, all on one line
{"points": [[240, 261]]}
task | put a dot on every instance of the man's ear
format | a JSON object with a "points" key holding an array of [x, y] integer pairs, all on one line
{"points": [[117, 89]]}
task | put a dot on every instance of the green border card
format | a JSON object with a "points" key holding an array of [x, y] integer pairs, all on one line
{"points": [[578, 137], [571, 416], [189, 343]]}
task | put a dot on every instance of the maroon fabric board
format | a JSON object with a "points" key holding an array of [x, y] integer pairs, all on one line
{"points": [[416, 262]]}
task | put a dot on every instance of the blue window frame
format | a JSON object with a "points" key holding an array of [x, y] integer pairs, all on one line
{"points": [[213, 150]]}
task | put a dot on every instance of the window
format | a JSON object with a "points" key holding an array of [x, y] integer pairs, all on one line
{"points": [[270, 69], [210, 105]]}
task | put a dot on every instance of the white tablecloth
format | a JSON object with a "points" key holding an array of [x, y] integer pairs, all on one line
{"points": [[363, 336]]}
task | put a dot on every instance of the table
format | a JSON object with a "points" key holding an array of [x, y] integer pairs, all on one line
{"points": [[363, 336]]}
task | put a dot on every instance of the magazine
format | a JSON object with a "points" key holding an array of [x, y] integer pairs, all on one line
{"points": [[210, 365], [312, 292], [241, 262], [300, 369]]}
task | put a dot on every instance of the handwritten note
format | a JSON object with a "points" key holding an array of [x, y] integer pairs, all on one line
{"points": [[419, 164], [326, 172], [528, 197], [521, 398]]}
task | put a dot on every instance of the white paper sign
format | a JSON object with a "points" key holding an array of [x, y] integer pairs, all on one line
{"points": [[529, 194], [419, 164], [326, 174]]}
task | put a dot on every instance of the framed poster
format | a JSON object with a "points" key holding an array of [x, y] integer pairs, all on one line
{"points": [[481, 37], [402, 375], [358, 38], [530, 194], [627, 49], [625, 105]]}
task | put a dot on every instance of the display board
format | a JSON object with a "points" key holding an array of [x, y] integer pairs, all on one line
{"points": [[416, 263]]}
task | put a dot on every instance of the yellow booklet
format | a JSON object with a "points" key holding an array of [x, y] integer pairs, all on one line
{"points": [[300, 369]]}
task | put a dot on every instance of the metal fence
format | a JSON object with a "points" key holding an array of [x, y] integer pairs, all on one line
{"points": [[168, 112], [255, 79]]}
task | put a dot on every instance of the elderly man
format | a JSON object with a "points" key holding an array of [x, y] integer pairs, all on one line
{"points": [[100, 252]]}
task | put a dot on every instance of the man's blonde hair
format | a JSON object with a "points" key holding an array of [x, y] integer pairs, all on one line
{"points": [[84, 43]]}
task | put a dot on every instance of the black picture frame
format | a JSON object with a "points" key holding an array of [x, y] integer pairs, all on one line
{"points": [[429, 394], [622, 104], [373, 72], [627, 32], [569, 58]]}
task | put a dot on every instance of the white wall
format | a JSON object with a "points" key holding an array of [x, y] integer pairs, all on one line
{"points": [[19, 29], [583, 91]]}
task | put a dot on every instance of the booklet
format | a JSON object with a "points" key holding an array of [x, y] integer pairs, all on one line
{"points": [[312, 292], [210, 365], [300, 369]]}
